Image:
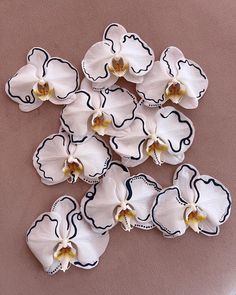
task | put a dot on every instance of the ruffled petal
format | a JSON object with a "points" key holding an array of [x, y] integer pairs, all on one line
{"points": [[95, 62], [137, 53], [90, 245], [97, 86], [49, 158], [42, 238], [193, 77], [188, 102], [172, 159], [38, 57], [20, 88], [95, 157], [112, 35], [168, 213], [183, 178], [153, 87], [213, 198], [208, 228], [99, 203], [142, 191], [120, 104], [64, 78], [169, 57], [174, 128]]}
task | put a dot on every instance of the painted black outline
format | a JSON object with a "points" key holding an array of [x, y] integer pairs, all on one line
{"points": [[99, 77], [190, 168], [183, 139], [78, 141], [215, 233], [151, 99], [40, 220], [79, 218], [108, 39], [166, 61], [214, 181], [85, 265], [47, 57]]}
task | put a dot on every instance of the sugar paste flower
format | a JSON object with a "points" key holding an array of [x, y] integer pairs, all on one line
{"points": [[174, 78], [163, 134], [42, 78], [119, 198], [197, 201], [58, 159], [103, 112], [120, 54], [61, 237]]}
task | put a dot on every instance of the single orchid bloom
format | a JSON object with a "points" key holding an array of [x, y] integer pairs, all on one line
{"points": [[173, 78], [104, 112], [120, 54], [57, 159], [61, 238], [120, 198], [43, 78], [162, 134], [197, 201]]}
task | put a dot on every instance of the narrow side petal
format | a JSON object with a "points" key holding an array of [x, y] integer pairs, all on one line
{"points": [[112, 35], [38, 57], [169, 57]]}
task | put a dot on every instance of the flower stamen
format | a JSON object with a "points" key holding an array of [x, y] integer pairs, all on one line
{"points": [[194, 216], [155, 147], [42, 90], [65, 254], [126, 216], [72, 169], [99, 123], [118, 67], [175, 90]]}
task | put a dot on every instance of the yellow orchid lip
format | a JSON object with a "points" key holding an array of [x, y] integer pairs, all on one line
{"points": [[126, 215], [156, 146], [100, 124], [118, 67], [175, 90], [194, 218], [65, 254], [72, 169], [43, 91]]}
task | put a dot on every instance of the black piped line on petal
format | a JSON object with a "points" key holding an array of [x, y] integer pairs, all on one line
{"points": [[86, 264], [135, 37], [191, 168], [201, 93], [40, 220], [65, 125], [142, 70], [191, 65], [90, 196], [73, 68], [45, 52], [99, 77], [166, 61], [145, 219], [139, 151], [88, 100], [143, 124], [79, 217], [78, 140], [108, 39], [113, 141], [41, 147], [210, 233], [223, 218], [186, 140], [159, 101]]}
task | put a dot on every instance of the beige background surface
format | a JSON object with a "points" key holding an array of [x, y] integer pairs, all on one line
{"points": [[138, 262]]}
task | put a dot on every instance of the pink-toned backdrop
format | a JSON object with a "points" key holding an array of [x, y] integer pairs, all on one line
{"points": [[138, 262]]}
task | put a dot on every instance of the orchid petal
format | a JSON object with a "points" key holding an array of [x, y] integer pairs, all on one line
{"points": [[172, 159], [168, 213], [64, 78], [38, 57], [169, 57], [112, 35], [183, 178], [137, 53], [188, 102], [133, 78]]}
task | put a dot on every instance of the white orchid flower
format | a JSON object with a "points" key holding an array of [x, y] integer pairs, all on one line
{"points": [[104, 112], [61, 238], [197, 201], [162, 134], [120, 198], [174, 78], [43, 78], [58, 159], [120, 54]]}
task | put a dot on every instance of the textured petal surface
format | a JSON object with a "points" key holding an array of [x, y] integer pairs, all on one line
{"points": [[169, 57], [168, 213], [38, 57], [112, 36]]}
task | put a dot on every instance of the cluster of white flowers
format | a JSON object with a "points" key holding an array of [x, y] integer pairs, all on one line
{"points": [[138, 129]]}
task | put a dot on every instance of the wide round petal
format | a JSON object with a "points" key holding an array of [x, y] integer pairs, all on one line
{"points": [[99, 203], [169, 58], [49, 158], [131, 140], [95, 62], [183, 178], [120, 104], [153, 87], [19, 88], [168, 213], [90, 245], [174, 128], [193, 77], [38, 57], [75, 116], [42, 238], [137, 53], [213, 198], [142, 191], [95, 157], [112, 35], [64, 78]]}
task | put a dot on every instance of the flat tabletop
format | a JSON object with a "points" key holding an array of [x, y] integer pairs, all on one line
{"points": [[139, 262]]}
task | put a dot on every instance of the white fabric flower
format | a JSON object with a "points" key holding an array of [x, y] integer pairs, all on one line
{"points": [[119, 198], [196, 201], [43, 78], [120, 54], [61, 237], [174, 78], [163, 134], [58, 159], [103, 112]]}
